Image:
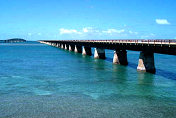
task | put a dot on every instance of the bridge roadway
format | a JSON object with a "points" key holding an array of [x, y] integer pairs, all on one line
{"points": [[147, 49]]}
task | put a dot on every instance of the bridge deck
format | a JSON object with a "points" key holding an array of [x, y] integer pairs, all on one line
{"points": [[156, 46]]}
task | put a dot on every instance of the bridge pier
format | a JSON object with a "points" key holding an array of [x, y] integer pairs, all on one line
{"points": [[71, 48], [87, 51], [99, 53], [62, 46], [146, 62], [66, 47], [54, 44], [78, 49], [120, 57]]}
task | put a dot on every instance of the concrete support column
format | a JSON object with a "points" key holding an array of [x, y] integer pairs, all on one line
{"points": [[78, 49], [146, 62], [99, 53], [62, 46], [71, 48], [120, 57], [66, 47], [87, 51]]}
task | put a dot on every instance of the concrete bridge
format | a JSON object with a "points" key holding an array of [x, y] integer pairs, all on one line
{"points": [[147, 49]]}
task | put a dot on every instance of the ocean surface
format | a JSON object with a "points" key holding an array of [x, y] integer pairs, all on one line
{"points": [[41, 81]]}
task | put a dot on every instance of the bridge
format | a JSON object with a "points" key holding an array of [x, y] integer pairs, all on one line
{"points": [[147, 49]]}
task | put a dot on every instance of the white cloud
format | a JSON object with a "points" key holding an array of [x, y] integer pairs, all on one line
{"points": [[110, 31], [88, 29], [29, 34], [131, 32], [91, 32], [69, 31], [85, 30], [162, 21]]}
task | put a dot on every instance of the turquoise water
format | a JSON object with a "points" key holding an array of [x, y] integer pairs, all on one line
{"points": [[38, 80]]}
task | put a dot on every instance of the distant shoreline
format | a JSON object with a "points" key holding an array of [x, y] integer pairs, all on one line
{"points": [[14, 40]]}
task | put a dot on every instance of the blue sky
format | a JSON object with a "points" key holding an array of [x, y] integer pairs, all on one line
{"points": [[88, 19]]}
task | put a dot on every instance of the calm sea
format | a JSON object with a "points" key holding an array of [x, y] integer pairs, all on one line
{"points": [[40, 81]]}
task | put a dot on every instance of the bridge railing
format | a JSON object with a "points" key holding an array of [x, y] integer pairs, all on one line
{"points": [[132, 41], [140, 41]]}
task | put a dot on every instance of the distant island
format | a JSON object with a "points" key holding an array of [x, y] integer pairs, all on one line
{"points": [[14, 40]]}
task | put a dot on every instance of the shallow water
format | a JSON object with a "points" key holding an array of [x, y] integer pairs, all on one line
{"points": [[38, 80]]}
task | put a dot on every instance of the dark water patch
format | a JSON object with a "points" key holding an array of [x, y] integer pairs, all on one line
{"points": [[132, 65], [166, 74], [109, 59]]}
